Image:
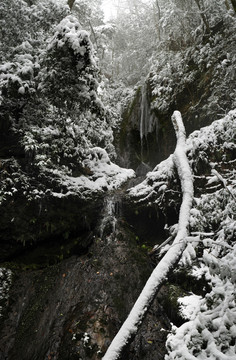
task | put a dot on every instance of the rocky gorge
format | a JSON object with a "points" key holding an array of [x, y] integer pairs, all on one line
{"points": [[87, 202]]}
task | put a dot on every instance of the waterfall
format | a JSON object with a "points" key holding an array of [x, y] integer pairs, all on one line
{"points": [[110, 214], [145, 112], [147, 119]]}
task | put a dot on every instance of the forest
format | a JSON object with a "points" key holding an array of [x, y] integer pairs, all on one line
{"points": [[117, 179]]}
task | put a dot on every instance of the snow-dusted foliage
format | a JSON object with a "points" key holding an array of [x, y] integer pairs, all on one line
{"points": [[102, 175], [20, 22], [209, 64], [58, 130], [17, 77], [210, 331], [5, 282], [209, 328], [69, 74], [23, 32], [213, 144]]}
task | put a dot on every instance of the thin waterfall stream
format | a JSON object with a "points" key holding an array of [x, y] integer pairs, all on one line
{"points": [[112, 210], [147, 119]]}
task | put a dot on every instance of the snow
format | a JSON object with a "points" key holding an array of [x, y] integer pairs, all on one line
{"points": [[223, 129], [105, 175], [21, 90], [174, 253], [5, 281], [70, 30], [155, 180], [189, 306], [210, 331]]}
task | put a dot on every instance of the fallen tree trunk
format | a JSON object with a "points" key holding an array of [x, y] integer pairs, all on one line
{"points": [[160, 273]]}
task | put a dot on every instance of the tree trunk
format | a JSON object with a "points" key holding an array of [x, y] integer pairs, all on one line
{"points": [[227, 5], [234, 5], [203, 16], [71, 3], [158, 20], [93, 33], [130, 327]]}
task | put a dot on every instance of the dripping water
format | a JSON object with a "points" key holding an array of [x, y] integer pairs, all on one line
{"points": [[147, 119], [145, 113], [110, 215]]}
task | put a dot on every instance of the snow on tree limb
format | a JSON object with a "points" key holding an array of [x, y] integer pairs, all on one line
{"points": [[223, 181], [160, 273]]}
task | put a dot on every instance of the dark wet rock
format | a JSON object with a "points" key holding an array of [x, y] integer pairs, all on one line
{"points": [[144, 136], [198, 92], [24, 222], [142, 169], [72, 310], [36, 208], [148, 343]]}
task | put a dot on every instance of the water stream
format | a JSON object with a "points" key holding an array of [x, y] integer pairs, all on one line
{"points": [[147, 119], [112, 210]]}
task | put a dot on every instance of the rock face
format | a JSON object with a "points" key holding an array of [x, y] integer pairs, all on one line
{"points": [[27, 221], [73, 309], [199, 83], [145, 138]]}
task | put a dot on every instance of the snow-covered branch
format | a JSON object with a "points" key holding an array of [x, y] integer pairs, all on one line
{"points": [[223, 181], [160, 273]]}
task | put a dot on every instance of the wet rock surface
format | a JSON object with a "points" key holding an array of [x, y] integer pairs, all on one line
{"points": [[73, 309], [145, 137]]}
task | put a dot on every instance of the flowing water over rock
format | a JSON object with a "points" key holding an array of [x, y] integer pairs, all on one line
{"points": [[112, 210], [148, 122], [145, 135]]}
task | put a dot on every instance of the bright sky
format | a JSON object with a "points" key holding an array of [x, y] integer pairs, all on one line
{"points": [[109, 9]]}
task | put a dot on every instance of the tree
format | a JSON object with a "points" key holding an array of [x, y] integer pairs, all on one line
{"points": [[88, 12], [134, 40], [68, 74], [20, 22], [233, 2], [158, 19], [23, 31], [160, 273]]}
